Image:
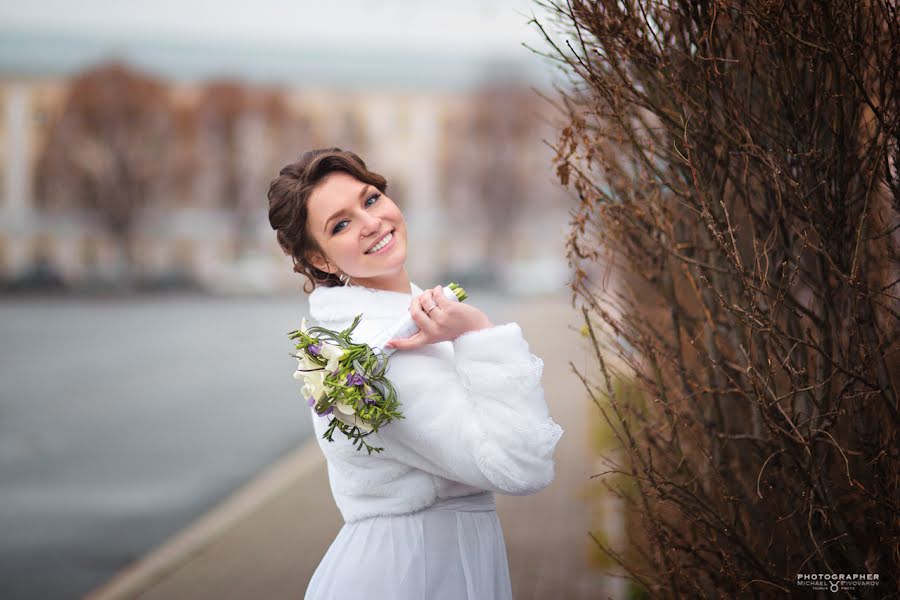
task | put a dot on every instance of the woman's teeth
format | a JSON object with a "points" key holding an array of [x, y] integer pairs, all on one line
{"points": [[384, 242]]}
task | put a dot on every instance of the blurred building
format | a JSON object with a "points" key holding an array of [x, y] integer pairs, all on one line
{"points": [[459, 140]]}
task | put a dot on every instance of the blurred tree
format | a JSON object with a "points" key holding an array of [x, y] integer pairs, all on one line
{"points": [[220, 108], [348, 130], [244, 135], [739, 160], [109, 151], [484, 168], [182, 185]]}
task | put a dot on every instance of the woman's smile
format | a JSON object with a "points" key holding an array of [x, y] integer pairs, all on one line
{"points": [[383, 245]]}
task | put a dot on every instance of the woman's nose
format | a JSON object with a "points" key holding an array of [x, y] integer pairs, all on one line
{"points": [[370, 224]]}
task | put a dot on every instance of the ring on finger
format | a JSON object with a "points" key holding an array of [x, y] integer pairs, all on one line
{"points": [[428, 310]]}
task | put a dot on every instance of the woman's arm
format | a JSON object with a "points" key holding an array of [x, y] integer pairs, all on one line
{"points": [[481, 419]]}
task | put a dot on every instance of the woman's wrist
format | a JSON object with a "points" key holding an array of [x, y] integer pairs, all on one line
{"points": [[483, 323]]}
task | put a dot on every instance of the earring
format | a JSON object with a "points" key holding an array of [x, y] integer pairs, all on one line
{"points": [[345, 279]]}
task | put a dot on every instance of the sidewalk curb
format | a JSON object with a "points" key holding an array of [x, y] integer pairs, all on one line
{"points": [[138, 577]]}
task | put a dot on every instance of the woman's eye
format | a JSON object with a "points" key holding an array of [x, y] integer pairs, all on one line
{"points": [[369, 202]]}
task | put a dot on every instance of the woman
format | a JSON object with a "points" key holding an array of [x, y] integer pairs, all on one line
{"points": [[420, 519]]}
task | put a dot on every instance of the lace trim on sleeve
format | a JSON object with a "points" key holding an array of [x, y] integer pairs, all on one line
{"points": [[509, 474]]}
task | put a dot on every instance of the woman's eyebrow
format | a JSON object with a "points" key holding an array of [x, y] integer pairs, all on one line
{"points": [[362, 193]]}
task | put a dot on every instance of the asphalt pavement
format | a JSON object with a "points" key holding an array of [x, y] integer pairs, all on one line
{"points": [[122, 420]]}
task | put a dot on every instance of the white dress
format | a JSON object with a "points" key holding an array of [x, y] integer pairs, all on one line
{"points": [[452, 550]]}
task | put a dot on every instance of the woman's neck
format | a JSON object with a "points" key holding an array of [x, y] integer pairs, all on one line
{"points": [[395, 282]]}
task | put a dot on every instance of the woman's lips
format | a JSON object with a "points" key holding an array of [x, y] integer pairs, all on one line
{"points": [[386, 246]]}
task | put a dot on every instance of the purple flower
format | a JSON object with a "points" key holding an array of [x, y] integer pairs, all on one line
{"points": [[314, 349], [310, 401], [355, 378], [370, 396], [327, 411]]}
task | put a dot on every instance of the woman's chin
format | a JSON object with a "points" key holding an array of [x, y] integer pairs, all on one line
{"points": [[394, 267], [393, 256]]}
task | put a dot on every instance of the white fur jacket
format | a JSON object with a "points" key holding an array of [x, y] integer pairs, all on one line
{"points": [[475, 415]]}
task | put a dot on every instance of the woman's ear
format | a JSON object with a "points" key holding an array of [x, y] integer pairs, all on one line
{"points": [[319, 261]]}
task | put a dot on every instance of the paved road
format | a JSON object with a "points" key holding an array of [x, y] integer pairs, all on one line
{"points": [[123, 420]]}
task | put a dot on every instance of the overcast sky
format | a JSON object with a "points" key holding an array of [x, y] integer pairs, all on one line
{"points": [[493, 27]]}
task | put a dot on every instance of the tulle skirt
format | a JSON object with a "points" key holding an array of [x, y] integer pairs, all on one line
{"points": [[452, 550]]}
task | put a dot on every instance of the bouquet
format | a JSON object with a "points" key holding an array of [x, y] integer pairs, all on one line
{"points": [[348, 381]]}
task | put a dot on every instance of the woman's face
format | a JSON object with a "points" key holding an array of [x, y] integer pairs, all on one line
{"points": [[350, 219]]}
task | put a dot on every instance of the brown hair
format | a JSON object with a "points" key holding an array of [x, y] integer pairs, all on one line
{"points": [[288, 197]]}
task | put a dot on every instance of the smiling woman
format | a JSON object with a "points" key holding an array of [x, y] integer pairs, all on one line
{"points": [[329, 209], [420, 518]]}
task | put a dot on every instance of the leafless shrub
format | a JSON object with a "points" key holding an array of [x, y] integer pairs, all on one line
{"points": [[737, 161]]}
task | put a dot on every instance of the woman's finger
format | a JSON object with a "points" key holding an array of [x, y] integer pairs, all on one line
{"points": [[442, 304], [429, 299], [432, 299], [425, 301], [421, 319], [440, 299], [428, 304], [418, 339], [436, 292]]}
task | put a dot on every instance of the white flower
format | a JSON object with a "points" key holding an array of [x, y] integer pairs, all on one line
{"points": [[315, 385], [304, 366], [331, 353], [312, 375], [351, 420], [345, 408], [303, 324]]}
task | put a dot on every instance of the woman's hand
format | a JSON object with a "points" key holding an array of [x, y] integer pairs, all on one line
{"points": [[439, 320]]}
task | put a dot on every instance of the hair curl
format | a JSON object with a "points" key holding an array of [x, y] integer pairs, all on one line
{"points": [[288, 213]]}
